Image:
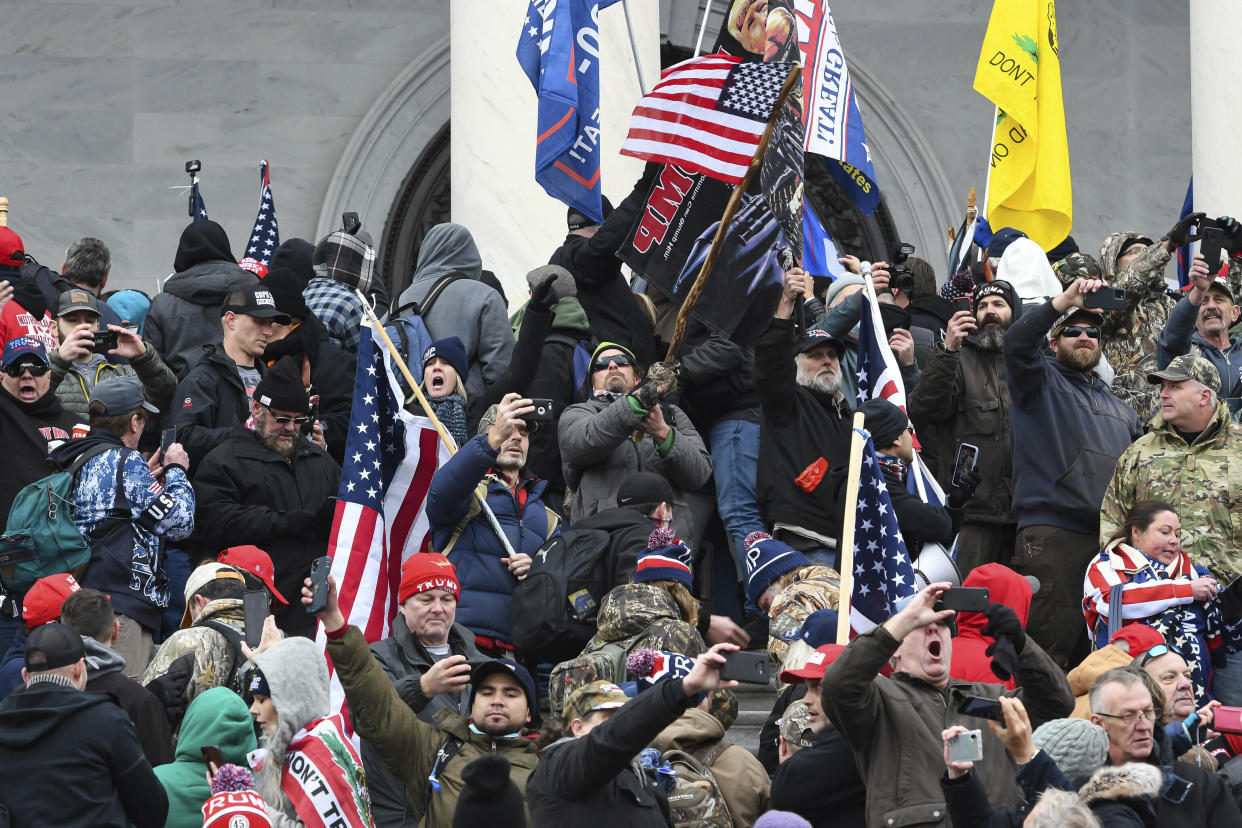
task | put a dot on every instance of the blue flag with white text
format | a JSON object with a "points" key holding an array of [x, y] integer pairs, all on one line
{"points": [[559, 51], [819, 254]]}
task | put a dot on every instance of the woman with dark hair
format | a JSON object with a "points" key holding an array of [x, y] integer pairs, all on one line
{"points": [[1157, 585]]}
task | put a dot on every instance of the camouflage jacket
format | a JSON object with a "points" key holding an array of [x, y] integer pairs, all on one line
{"points": [[1202, 480], [812, 588], [213, 653], [649, 612]]}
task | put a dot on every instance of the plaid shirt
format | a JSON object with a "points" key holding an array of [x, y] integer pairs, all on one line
{"points": [[337, 308]]}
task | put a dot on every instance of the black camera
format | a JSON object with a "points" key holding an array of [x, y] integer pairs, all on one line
{"points": [[900, 277], [104, 341], [350, 223], [194, 166]]}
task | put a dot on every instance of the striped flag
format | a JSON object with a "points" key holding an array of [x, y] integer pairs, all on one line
{"points": [[707, 115], [198, 208], [883, 574], [265, 237], [390, 457]]}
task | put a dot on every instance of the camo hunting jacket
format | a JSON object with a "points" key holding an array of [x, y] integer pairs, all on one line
{"points": [[812, 588], [213, 653]]}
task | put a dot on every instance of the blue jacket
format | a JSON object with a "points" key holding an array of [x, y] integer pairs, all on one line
{"points": [[1068, 429], [11, 665], [1180, 337], [486, 583]]}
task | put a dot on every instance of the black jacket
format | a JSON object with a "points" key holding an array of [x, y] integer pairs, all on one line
{"points": [[554, 380], [799, 784], [628, 531], [593, 780], [71, 758], [919, 522], [210, 402], [717, 378], [250, 494], [103, 675], [47, 416], [800, 428], [25, 451], [969, 806]]}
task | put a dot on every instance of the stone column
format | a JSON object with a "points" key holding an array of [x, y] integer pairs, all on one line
{"points": [[494, 109], [1215, 100]]}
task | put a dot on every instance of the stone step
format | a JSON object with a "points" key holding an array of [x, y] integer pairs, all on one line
{"points": [[754, 703]]}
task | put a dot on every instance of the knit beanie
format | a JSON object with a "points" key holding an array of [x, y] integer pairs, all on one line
{"points": [[839, 284], [652, 666], [781, 819], [766, 560], [644, 490], [281, 387], [488, 796], [451, 350], [427, 570], [998, 287], [233, 802], [286, 289], [885, 421], [664, 559], [1078, 746]]}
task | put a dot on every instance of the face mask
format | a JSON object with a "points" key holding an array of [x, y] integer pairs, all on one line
{"points": [[894, 317]]}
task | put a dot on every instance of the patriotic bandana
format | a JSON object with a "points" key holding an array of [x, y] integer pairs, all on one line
{"points": [[323, 777]]}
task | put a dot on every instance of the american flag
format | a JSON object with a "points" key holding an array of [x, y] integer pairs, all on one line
{"points": [[883, 574], [707, 114], [198, 208], [390, 457], [265, 237]]}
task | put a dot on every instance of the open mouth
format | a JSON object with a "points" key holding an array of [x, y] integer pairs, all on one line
{"points": [[437, 383], [27, 392], [933, 649]]}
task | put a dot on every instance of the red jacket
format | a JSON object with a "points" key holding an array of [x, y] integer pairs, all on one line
{"points": [[970, 663]]}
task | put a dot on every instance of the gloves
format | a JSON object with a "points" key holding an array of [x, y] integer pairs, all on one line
{"points": [[169, 688], [542, 297], [1233, 234], [965, 490], [647, 393], [1180, 234], [1003, 626]]}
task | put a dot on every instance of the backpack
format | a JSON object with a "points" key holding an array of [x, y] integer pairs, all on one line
{"points": [[555, 607], [581, 358], [235, 638], [408, 331], [40, 537], [606, 663], [696, 800]]}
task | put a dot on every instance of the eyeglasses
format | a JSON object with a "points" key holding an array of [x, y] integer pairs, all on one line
{"points": [[1130, 719], [286, 420], [600, 363], [1075, 331], [21, 367], [1159, 650]]}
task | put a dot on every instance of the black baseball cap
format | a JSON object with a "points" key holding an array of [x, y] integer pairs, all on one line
{"points": [[503, 665], [257, 302], [815, 337], [52, 645]]}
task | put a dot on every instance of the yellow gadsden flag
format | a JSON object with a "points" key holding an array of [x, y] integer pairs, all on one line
{"points": [[1029, 172]]}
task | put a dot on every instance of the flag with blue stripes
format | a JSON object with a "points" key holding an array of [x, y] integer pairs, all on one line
{"points": [[883, 574]]}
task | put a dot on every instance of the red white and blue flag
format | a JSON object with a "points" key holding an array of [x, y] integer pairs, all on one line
{"points": [[198, 208], [883, 575], [265, 237]]}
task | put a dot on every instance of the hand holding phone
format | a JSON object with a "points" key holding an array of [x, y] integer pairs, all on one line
{"points": [[747, 666], [167, 437], [255, 608], [964, 599], [320, 569], [981, 707], [212, 758], [967, 459]]}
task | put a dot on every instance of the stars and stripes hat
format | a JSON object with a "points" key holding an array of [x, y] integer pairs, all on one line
{"points": [[664, 559], [766, 560]]}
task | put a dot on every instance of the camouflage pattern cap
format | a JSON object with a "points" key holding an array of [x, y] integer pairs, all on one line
{"points": [[796, 726], [1077, 266], [597, 695], [1087, 316], [1188, 367]]}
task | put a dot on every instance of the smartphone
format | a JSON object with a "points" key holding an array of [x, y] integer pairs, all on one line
{"points": [[961, 303], [1210, 239], [967, 458], [167, 437], [964, 599], [308, 427], [211, 756], [542, 412], [966, 747], [320, 568], [747, 666], [1227, 719], [981, 707], [255, 609], [1106, 298], [104, 341]]}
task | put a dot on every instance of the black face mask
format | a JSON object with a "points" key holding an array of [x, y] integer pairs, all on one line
{"points": [[894, 317]]}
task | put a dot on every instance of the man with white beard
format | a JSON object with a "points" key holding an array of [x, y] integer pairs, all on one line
{"points": [[805, 429]]}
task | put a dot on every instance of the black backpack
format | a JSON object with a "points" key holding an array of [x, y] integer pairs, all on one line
{"points": [[554, 609]]}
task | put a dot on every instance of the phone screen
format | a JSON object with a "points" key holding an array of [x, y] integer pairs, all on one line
{"points": [[255, 608], [167, 437], [981, 707], [967, 456]]}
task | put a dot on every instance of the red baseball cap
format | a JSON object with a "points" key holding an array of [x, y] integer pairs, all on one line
{"points": [[815, 666], [427, 570], [12, 251], [258, 563], [43, 599]]}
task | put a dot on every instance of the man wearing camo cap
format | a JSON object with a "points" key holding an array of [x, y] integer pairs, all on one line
{"points": [[1201, 322]]}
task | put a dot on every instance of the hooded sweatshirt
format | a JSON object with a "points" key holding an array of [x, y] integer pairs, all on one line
{"points": [[970, 660], [217, 717], [1024, 265], [467, 308], [103, 675]]}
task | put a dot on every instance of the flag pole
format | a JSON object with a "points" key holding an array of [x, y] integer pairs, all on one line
{"points": [[987, 183], [642, 83], [698, 44], [4, 211], [735, 200], [847, 531]]}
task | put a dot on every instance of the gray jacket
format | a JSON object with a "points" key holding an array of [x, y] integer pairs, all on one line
{"points": [[186, 315], [73, 382], [598, 453]]}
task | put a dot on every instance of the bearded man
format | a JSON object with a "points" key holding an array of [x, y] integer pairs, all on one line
{"points": [[805, 429], [273, 486], [1069, 429]]}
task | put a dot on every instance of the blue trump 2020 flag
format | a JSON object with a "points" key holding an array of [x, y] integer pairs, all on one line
{"points": [[559, 51], [819, 254]]}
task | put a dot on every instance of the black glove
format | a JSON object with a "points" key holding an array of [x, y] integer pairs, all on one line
{"points": [[1003, 626], [1180, 234], [961, 492], [542, 297], [169, 689], [1233, 234]]}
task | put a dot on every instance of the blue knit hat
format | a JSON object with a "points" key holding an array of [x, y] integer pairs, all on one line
{"points": [[451, 350], [766, 560], [664, 559]]}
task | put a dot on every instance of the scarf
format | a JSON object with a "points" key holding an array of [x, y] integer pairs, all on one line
{"points": [[893, 464], [323, 778], [303, 340], [451, 411]]}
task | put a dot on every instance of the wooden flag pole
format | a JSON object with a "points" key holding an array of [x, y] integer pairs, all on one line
{"points": [[735, 200], [4, 211], [847, 531]]}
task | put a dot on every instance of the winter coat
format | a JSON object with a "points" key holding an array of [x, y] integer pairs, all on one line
{"points": [[628, 531], [742, 780], [211, 401], [215, 660], [1123, 796], [47, 417], [1208, 804], [966, 395], [812, 588], [73, 381], [598, 453], [893, 726], [1179, 336], [486, 583], [103, 675], [407, 745], [1160, 464], [127, 558], [803, 432], [518, 374], [185, 316], [405, 659], [80, 762], [25, 451], [1060, 478], [1088, 670], [968, 802], [970, 659], [799, 784], [717, 379], [466, 308], [250, 494], [648, 612], [218, 717]]}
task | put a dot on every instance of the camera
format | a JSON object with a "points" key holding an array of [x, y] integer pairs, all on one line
{"points": [[900, 277], [104, 341], [350, 223], [194, 166]]}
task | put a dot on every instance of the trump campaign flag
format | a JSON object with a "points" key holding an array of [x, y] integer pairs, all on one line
{"points": [[1019, 70], [265, 237], [819, 254], [559, 51]]}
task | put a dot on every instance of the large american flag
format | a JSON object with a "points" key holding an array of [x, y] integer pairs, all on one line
{"points": [[265, 237], [883, 574], [707, 114], [380, 521]]}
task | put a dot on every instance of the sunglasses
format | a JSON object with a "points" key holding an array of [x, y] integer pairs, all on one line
{"points": [[21, 367], [620, 360], [286, 420], [1157, 651], [1075, 331]]}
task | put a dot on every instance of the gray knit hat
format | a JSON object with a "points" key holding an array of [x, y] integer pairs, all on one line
{"points": [[839, 284], [1078, 746]]}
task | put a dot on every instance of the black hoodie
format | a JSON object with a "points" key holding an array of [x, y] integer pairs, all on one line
{"points": [[79, 761], [202, 241]]}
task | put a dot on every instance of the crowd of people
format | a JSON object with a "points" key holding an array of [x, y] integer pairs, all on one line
{"points": [[611, 529]]}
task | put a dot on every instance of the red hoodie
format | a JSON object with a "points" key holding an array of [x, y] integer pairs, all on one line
{"points": [[1005, 587]]}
